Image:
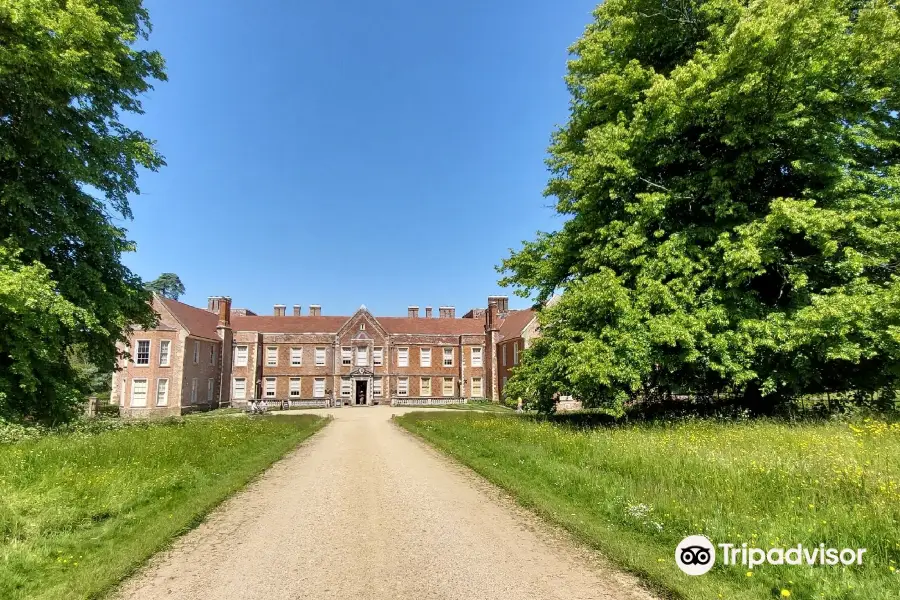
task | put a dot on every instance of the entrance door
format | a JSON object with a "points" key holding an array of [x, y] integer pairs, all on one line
{"points": [[360, 394]]}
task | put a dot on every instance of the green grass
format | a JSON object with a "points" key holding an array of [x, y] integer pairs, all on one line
{"points": [[492, 407], [634, 492], [79, 512]]}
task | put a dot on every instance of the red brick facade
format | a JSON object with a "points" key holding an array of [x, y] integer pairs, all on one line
{"points": [[221, 356]]}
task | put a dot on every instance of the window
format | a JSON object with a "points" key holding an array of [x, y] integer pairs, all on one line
{"points": [[295, 387], [239, 388], [320, 358], [345, 386], [402, 357], [165, 347], [424, 357], [448, 386], [378, 356], [212, 354], [296, 357], [272, 356], [142, 356], [319, 387], [270, 387], [504, 355], [162, 392], [476, 356], [240, 356], [362, 356], [403, 386], [194, 390], [516, 353], [477, 391], [138, 392], [448, 357], [346, 356], [210, 385], [425, 386], [196, 353], [376, 387]]}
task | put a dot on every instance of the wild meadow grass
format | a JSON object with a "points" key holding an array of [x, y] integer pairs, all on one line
{"points": [[634, 492], [78, 512]]}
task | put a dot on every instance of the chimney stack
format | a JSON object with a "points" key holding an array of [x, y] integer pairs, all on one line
{"points": [[279, 310], [296, 310], [224, 311], [315, 310], [212, 303], [502, 303], [412, 312], [447, 312], [490, 316], [427, 312]]}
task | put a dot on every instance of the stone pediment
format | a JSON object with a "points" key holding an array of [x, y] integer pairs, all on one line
{"points": [[361, 372]]}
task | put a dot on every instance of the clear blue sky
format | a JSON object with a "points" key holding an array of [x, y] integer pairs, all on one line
{"points": [[348, 152]]}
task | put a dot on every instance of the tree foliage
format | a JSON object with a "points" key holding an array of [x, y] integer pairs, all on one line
{"points": [[68, 70], [168, 285], [729, 174]]}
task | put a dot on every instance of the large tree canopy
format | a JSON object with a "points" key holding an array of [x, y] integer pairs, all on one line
{"points": [[68, 70], [168, 285], [729, 173]]}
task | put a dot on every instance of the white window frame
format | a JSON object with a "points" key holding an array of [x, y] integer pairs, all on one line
{"points": [[346, 387], [319, 387], [448, 361], [165, 356], [146, 383], [476, 357], [196, 352], [320, 357], [270, 393], [402, 357], [403, 386], [480, 385], [377, 387], [294, 390], [504, 355], [444, 387], [194, 390], [163, 383], [210, 389], [378, 356], [137, 353], [515, 353], [424, 357], [362, 356], [346, 356], [297, 357], [241, 361], [422, 388], [212, 354], [270, 360], [234, 388]]}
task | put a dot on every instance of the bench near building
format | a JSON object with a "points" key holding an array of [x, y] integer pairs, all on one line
{"points": [[199, 359]]}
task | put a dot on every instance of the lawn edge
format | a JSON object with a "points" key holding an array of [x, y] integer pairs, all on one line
{"points": [[545, 517], [108, 592]]}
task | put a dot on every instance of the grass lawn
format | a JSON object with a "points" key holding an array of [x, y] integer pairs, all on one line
{"points": [[493, 407], [79, 512], [634, 492]]}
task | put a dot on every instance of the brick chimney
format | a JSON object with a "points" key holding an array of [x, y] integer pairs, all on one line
{"points": [[315, 310], [502, 303], [491, 318], [279, 310], [412, 312], [296, 310], [212, 303], [427, 312], [224, 311], [447, 312]]}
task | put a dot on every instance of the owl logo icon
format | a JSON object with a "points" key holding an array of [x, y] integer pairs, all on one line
{"points": [[695, 555]]}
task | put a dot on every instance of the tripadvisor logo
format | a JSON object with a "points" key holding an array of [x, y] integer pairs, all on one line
{"points": [[696, 555]]}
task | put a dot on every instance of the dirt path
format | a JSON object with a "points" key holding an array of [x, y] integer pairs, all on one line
{"points": [[364, 510]]}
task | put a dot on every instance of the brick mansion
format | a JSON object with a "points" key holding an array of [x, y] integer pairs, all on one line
{"points": [[218, 356]]}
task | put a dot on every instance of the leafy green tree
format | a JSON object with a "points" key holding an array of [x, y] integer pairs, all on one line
{"points": [[168, 285], [729, 175], [68, 70]]}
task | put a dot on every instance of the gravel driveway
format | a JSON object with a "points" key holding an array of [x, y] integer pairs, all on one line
{"points": [[365, 510]]}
